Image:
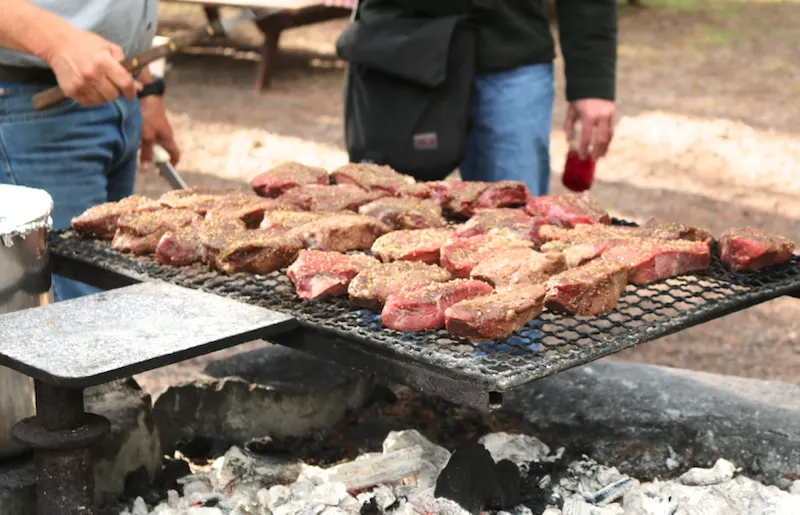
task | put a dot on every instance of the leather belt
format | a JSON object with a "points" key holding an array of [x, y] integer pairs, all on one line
{"points": [[27, 75]]}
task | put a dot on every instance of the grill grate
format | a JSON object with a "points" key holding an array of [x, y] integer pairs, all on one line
{"points": [[548, 345]]}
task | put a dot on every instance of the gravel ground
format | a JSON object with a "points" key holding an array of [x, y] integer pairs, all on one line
{"points": [[706, 134]]}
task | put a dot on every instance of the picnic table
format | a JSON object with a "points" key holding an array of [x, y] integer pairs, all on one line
{"points": [[275, 16]]}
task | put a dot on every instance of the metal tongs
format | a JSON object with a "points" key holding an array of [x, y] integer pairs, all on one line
{"points": [[167, 171]]}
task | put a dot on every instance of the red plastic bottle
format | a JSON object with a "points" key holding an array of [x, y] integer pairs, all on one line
{"points": [[578, 173]]}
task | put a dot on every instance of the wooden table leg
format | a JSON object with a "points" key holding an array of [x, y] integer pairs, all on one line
{"points": [[269, 59]]}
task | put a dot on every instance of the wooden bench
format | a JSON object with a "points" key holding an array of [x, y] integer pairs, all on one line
{"points": [[275, 16]]}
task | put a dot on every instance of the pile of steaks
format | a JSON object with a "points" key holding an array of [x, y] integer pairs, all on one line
{"points": [[383, 240]]}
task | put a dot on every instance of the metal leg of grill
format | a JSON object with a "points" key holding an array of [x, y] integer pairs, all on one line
{"points": [[61, 435]]}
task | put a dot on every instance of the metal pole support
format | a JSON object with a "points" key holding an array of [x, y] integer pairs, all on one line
{"points": [[61, 435]]}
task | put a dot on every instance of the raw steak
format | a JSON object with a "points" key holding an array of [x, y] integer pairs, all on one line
{"points": [[653, 260], [417, 190], [405, 213], [285, 220], [502, 220], [335, 197], [420, 245], [249, 210], [588, 290], [568, 210], [260, 254], [495, 316], [201, 199], [370, 287], [504, 194], [655, 228], [139, 233], [340, 232], [460, 255], [518, 266], [184, 246], [101, 221], [463, 198], [371, 177], [286, 176], [317, 274], [753, 249], [419, 308]]}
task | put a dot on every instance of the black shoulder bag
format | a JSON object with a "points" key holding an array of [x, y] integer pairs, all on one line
{"points": [[409, 87]]}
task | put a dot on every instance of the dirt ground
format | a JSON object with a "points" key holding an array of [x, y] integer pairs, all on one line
{"points": [[706, 134]]}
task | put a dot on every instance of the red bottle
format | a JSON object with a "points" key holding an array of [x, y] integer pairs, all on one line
{"points": [[578, 173]]}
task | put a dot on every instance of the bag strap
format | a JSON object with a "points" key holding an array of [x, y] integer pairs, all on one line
{"points": [[478, 7]]}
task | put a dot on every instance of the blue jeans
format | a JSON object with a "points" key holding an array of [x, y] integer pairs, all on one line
{"points": [[81, 156], [512, 118]]}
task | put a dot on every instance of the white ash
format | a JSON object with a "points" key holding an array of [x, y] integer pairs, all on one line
{"points": [[401, 479]]}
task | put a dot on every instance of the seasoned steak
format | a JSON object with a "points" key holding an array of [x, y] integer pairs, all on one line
{"points": [[420, 245], [317, 274], [405, 213], [420, 190], [518, 266], [502, 220], [280, 179], [419, 308], [184, 246], [588, 290], [201, 199], [653, 260], [139, 233], [101, 221], [259, 254], [495, 316], [370, 287], [568, 210], [214, 243], [655, 228], [504, 194], [285, 220], [249, 210], [335, 197], [371, 177], [460, 255], [463, 198], [753, 249], [340, 232]]}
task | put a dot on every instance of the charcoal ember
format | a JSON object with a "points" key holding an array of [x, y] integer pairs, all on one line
{"points": [[461, 255], [249, 210], [280, 179], [651, 260], [753, 249], [318, 274], [334, 197], [587, 290], [258, 254], [371, 287], [285, 220], [340, 232], [418, 245], [495, 316], [139, 233], [518, 266], [371, 177], [568, 210], [101, 221], [421, 307], [421, 190], [184, 246], [405, 213], [503, 220]]}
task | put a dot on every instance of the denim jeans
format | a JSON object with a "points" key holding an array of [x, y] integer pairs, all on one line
{"points": [[81, 156], [512, 118]]}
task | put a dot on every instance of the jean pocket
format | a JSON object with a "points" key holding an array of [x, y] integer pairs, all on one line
{"points": [[17, 106]]}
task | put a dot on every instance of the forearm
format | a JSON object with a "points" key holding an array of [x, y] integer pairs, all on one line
{"points": [[588, 37], [145, 76], [27, 28]]}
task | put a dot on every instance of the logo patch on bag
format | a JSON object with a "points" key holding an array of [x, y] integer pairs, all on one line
{"points": [[426, 141]]}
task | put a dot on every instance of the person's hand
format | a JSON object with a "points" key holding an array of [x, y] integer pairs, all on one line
{"points": [[88, 69], [156, 130], [597, 125]]}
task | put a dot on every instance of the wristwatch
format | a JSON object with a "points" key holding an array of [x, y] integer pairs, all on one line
{"points": [[157, 87]]}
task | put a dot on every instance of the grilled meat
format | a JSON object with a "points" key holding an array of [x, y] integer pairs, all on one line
{"points": [[495, 316], [518, 266], [249, 210], [200, 199], [587, 290], [184, 246], [139, 233], [422, 307], [370, 287], [371, 177], [752, 249], [420, 245], [261, 253], [421, 190], [280, 179], [101, 221], [340, 232], [317, 274], [460, 255], [285, 220], [504, 194], [651, 260], [502, 220], [569, 210], [335, 197], [405, 213], [655, 228], [465, 197]]}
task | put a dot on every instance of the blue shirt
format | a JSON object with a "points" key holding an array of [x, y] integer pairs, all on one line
{"points": [[131, 24]]}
